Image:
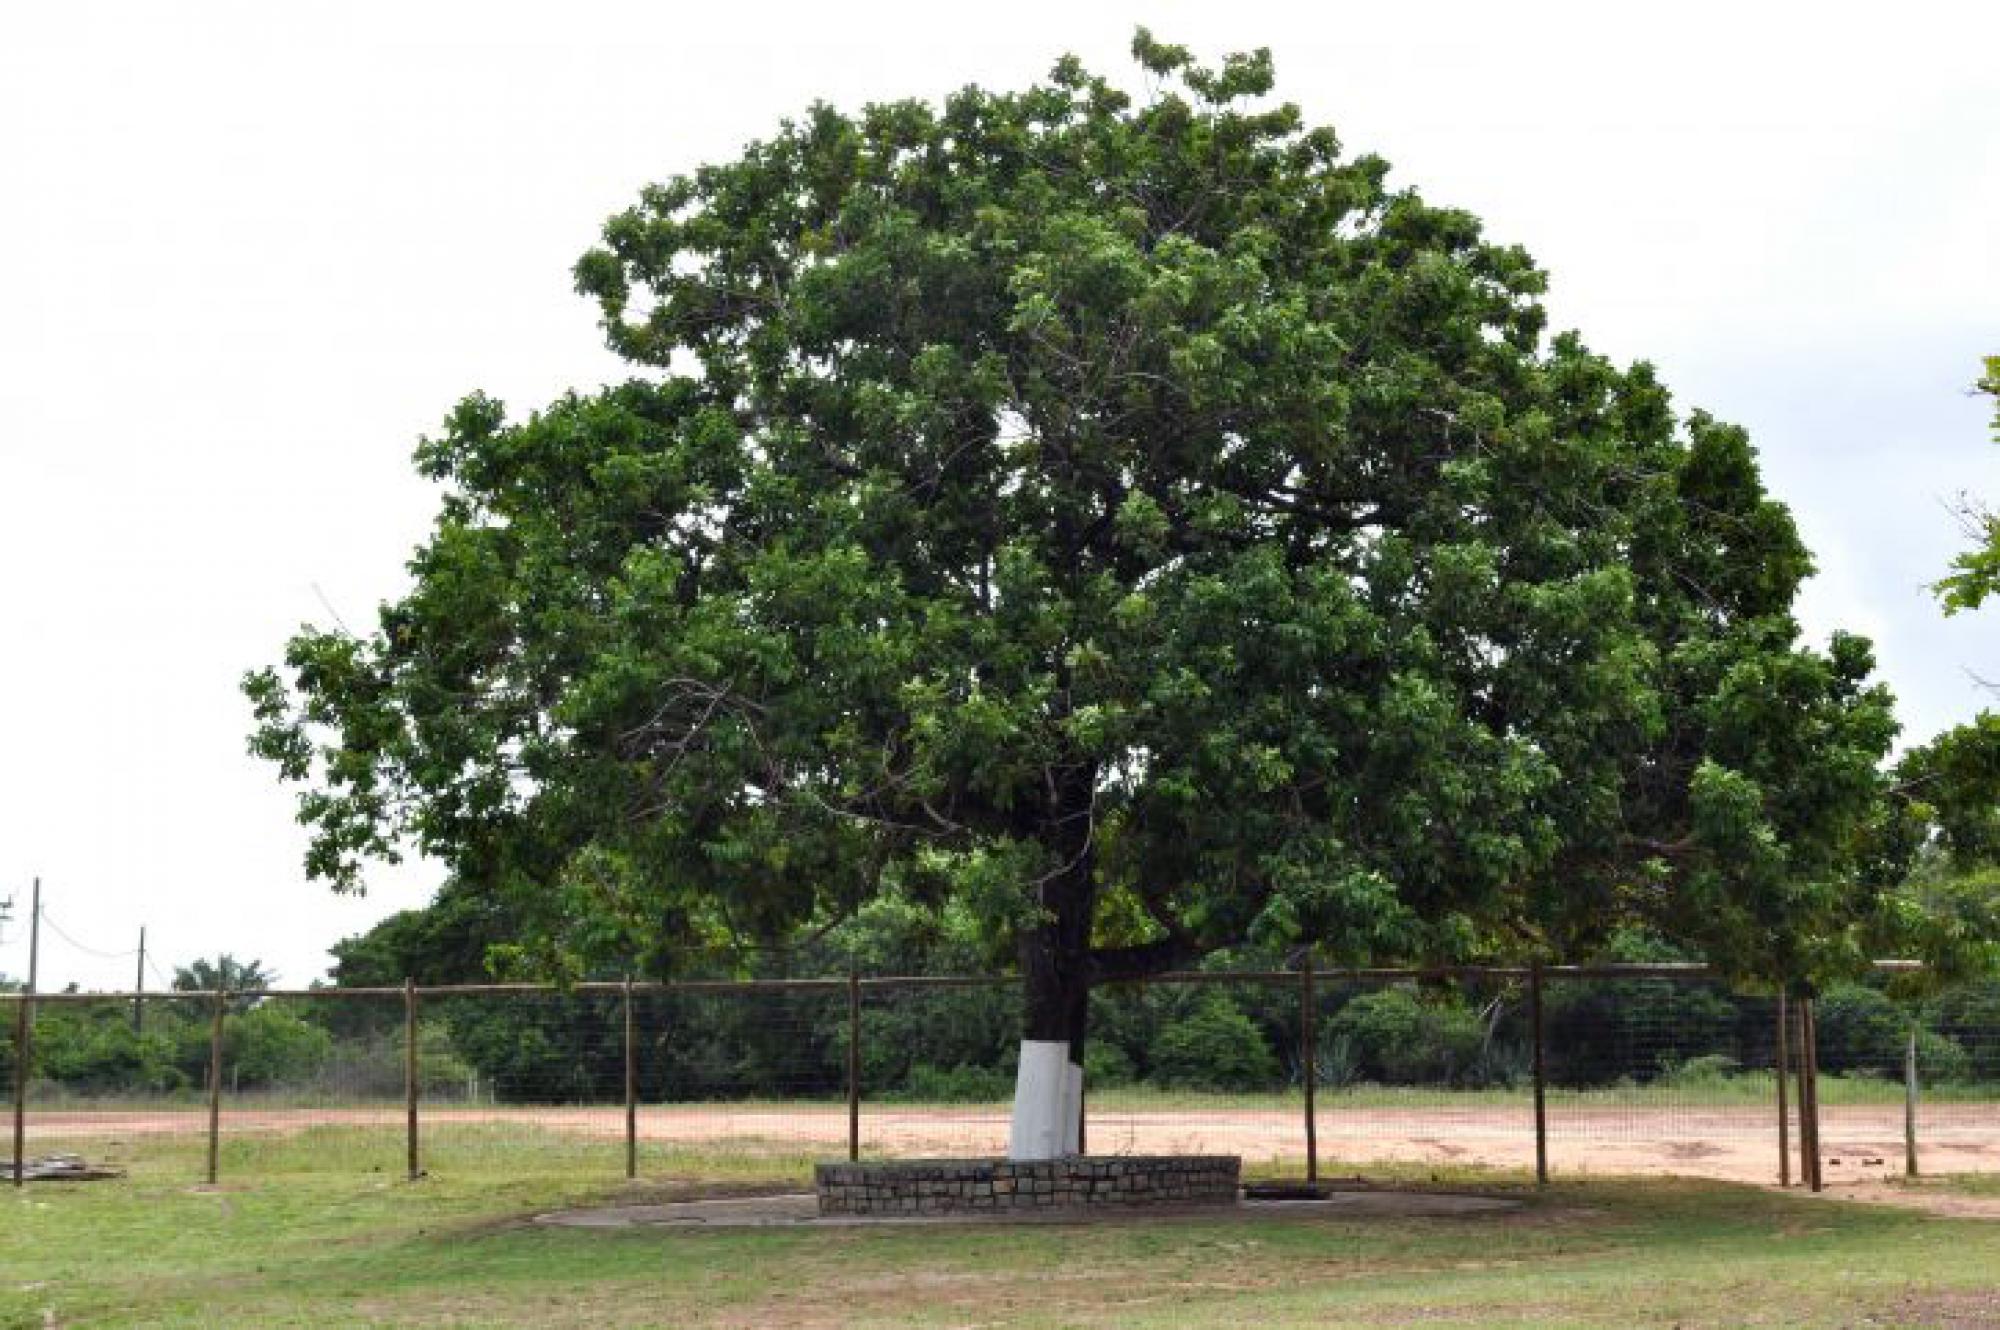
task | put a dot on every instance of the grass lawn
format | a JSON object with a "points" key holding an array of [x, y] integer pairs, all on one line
{"points": [[307, 1239]]}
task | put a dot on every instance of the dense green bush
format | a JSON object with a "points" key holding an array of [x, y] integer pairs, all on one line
{"points": [[1214, 1047], [268, 1046], [93, 1049], [1107, 1065], [1395, 1037], [926, 1084], [1969, 1016], [1864, 1032], [1597, 1032]]}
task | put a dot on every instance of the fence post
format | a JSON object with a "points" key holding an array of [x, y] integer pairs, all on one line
{"points": [[1799, 1071], [1784, 1106], [853, 1066], [22, 1036], [1809, 1101], [410, 1072], [1082, 1117], [1910, 1104], [631, 1091], [1309, 1064], [1541, 1077], [215, 1085]]}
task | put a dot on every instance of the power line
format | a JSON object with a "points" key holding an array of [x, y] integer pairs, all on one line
{"points": [[86, 950], [156, 973]]}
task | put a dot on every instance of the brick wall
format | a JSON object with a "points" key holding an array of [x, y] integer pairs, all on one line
{"points": [[960, 1186]]}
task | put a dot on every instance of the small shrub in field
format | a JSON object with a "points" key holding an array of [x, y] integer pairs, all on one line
{"points": [[1214, 1047], [1707, 1069], [1970, 1018], [1107, 1065], [269, 1046], [927, 1084], [1397, 1038]]}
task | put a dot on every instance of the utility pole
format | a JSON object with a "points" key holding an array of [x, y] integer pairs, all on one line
{"points": [[139, 987], [35, 935]]}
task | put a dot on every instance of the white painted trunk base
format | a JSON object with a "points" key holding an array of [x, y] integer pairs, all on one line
{"points": [[1048, 1096]]}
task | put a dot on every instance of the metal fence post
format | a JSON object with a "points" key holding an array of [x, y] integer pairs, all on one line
{"points": [[1784, 1107], [1082, 1117], [1809, 1100], [853, 1065], [1910, 1103], [1799, 1072], [215, 1085], [1541, 1077], [410, 1072], [631, 1092], [22, 1037], [1309, 1067]]}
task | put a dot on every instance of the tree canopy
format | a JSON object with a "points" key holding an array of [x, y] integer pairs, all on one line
{"points": [[1131, 520], [1975, 574], [1947, 791]]}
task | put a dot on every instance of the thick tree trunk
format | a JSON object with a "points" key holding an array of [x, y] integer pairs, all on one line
{"points": [[1048, 1086], [1056, 974]]}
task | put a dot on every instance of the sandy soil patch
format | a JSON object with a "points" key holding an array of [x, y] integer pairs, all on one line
{"points": [[1733, 1143]]}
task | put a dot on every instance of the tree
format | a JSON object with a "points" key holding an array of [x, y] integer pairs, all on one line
{"points": [[224, 974], [1132, 522], [1977, 571], [1948, 790]]}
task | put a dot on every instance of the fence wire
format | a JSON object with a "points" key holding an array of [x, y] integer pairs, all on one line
{"points": [[1642, 1073], [936, 1068], [1435, 1073]]}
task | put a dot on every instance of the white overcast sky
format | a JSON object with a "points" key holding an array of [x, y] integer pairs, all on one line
{"points": [[249, 252]]}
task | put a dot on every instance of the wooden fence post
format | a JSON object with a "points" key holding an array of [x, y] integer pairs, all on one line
{"points": [[1541, 1077], [631, 1091], [23, 1037], [215, 1086], [853, 1066], [1309, 1066], [410, 1074], [1784, 1107], [1910, 1104]]}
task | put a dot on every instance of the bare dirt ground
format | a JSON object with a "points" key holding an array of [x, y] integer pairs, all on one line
{"points": [[1918, 1195], [1737, 1143]]}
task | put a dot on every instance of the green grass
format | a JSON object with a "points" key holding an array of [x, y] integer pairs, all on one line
{"points": [[315, 1235]]}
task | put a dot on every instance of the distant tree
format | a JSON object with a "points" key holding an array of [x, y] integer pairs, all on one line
{"points": [[1135, 524], [1949, 788], [444, 942], [1977, 571], [224, 973]]}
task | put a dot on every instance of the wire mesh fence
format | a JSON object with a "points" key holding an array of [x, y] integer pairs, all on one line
{"points": [[1610, 1070], [1197, 1065], [1432, 1071], [935, 1066]]}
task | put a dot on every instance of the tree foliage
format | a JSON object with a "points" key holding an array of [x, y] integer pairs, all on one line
{"points": [[1134, 523], [1947, 791], [1976, 573]]}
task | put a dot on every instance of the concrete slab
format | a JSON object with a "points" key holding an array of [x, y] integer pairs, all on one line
{"points": [[802, 1209]]}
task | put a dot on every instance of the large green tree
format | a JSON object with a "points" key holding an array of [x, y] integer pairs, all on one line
{"points": [[1133, 520]]}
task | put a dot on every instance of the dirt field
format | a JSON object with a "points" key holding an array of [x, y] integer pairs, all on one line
{"points": [[1737, 1143]]}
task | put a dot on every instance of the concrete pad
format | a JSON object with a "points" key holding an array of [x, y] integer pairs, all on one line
{"points": [[802, 1209]]}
